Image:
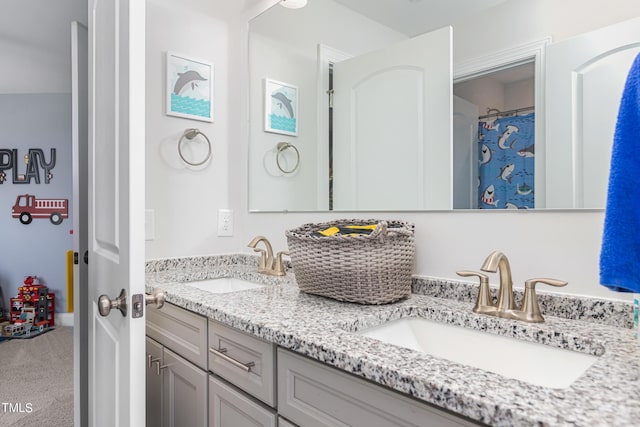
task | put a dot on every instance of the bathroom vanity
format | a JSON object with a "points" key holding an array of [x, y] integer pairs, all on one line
{"points": [[276, 356], [244, 382]]}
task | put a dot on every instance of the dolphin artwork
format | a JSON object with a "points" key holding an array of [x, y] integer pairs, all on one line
{"points": [[506, 171], [186, 80], [283, 101], [504, 138]]}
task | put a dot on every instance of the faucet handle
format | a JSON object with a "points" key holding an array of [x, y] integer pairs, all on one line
{"points": [[484, 303], [530, 307], [279, 266], [263, 258]]}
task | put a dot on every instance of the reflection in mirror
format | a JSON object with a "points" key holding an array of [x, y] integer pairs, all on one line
{"points": [[573, 126], [494, 164]]}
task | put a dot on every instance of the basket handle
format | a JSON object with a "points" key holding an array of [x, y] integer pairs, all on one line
{"points": [[383, 230], [379, 232], [403, 231]]}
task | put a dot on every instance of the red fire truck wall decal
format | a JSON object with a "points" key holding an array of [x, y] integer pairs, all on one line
{"points": [[28, 207], [35, 165]]}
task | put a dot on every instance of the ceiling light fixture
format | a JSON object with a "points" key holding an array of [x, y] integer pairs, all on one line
{"points": [[293, 4]]}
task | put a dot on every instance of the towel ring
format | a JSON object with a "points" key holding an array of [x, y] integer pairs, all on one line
{"points": [[282, 146], [190, 134]]}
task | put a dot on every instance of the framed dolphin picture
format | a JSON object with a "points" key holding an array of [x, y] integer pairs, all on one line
{"points": [[189, 88], [280, 107]]}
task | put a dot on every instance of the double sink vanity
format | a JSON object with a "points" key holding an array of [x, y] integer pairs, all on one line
{"points": [[235, 347]]}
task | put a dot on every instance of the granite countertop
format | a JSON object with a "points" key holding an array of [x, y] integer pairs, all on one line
{"points": [[323, 329]]}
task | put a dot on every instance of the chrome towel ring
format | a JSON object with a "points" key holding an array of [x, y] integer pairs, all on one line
{"points": [[282, 146], [190, 134]]}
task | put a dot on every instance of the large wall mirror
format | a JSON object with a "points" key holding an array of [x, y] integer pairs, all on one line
{"points": [[436, 104]]}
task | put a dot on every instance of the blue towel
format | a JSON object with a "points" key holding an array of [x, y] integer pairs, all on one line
{"points": [[620, 253]]}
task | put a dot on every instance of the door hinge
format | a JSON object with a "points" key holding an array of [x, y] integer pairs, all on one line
{"points": [[330, 93], [75, 258]]}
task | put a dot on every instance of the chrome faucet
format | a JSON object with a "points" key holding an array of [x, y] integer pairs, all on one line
{"points": [[506, 307], [268, 264]]}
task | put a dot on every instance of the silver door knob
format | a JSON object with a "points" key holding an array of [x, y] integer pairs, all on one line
{"points": [[106, 304], [157, 298]]}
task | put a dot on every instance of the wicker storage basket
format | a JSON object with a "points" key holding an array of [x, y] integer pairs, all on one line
{"points": [[366, 269]]}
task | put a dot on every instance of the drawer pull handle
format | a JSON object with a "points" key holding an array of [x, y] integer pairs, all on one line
{"points": [[158, 367], [221, 354], [150, 360]]}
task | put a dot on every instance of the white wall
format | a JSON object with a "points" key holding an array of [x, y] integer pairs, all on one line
{"points": [[185, 200], [275, 54], [517, 22], [484, 92], [271, 189], [519, 94], [35, 41], [558, 244]]}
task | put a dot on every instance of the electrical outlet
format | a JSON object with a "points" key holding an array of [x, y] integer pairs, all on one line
{"points": [[225, 222]]}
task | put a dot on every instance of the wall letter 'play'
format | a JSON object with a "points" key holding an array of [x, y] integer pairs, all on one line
{"points": [[34, 161]]}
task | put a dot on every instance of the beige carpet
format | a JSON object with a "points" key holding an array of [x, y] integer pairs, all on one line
{"points": [[37, 373]]}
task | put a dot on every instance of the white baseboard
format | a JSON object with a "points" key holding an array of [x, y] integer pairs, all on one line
{"points": [[64, 319]]}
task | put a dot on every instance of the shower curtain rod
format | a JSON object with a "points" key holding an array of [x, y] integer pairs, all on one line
{"points": [[505, 113]]}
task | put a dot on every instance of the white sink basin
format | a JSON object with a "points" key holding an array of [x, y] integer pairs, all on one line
{"points": [[224, 285], [531, 362]]}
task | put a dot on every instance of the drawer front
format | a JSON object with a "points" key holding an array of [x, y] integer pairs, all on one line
{"points": [[245, 361], [230, 407], [313, 394], [180, 330]]}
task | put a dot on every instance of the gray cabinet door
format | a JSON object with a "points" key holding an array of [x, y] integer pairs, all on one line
{"points": [[229, 407], [184, 392], [153, 383], [312, 394]]}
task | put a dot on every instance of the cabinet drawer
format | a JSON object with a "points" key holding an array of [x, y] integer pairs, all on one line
{"points": [[245, 361], [180, 330], [313, 394], [230, 407]]}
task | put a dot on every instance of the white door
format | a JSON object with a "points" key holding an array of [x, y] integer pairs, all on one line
{"points": [[80, 144], [585, 78], [465, 154], [116, 210], [392, 124]]}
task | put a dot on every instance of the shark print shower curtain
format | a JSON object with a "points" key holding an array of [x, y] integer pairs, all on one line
{"points": [[506, 163]]}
